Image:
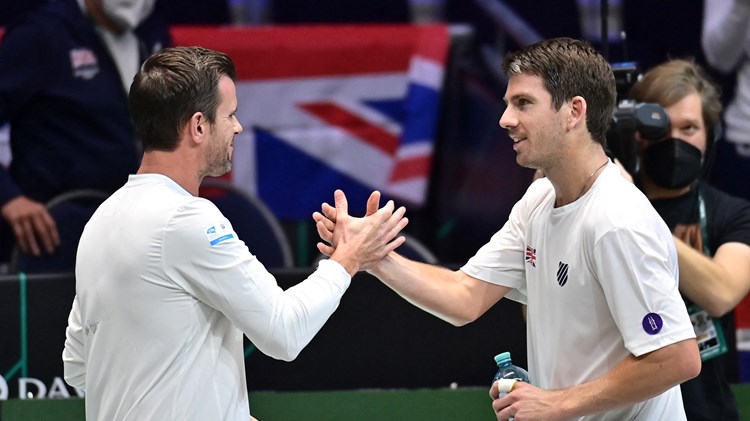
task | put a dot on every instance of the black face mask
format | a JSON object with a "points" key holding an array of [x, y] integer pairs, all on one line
{"points": [[672, 163]]}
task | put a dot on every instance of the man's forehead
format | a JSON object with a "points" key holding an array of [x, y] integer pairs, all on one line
{"points": [[525, 85]]}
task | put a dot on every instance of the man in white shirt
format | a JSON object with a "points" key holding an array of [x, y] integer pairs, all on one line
{"points": [[165, 289], [608, 336]]}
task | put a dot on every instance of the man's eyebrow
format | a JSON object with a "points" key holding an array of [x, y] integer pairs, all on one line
{"points": [[516, 96]]}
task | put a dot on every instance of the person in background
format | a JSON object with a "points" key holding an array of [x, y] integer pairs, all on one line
{"points": [[64, 73], [164, 287], [711, 229], [608, 336], [726, 44]]}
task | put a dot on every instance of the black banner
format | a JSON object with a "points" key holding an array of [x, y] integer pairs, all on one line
{"points": [[374, 340]]}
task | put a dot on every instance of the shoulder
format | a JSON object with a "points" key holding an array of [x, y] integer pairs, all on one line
{"points": [[168, 201], [192, 210], [618, 197], [617, 204], [721, 199], [198, 222], [728, 216]]}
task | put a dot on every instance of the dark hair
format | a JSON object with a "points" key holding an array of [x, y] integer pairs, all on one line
{"points": [[569, 68], [171, 86], [670, 82]]}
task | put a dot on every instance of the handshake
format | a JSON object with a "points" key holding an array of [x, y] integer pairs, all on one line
{"points": [[359, 243]]}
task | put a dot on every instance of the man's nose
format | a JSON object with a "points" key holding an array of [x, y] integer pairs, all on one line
{"points": [[674, 133], [507, 119]]}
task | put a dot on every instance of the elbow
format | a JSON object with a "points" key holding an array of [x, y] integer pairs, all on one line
{"points": [[287, 358], [290, 354], [458, 322], [719, 309], [719, 303], [74, 376], [280, 351], [690, 366], [460, 318], [74, 367], [723, 66], [693, 369], [716, 60], [720, 64]]}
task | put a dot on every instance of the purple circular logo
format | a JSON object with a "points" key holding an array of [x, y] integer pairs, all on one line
{"points": [[652, 323]]}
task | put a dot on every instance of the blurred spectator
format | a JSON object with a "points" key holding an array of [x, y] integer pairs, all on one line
{"points": [[65, 69], [726, 44], [711, 229]]}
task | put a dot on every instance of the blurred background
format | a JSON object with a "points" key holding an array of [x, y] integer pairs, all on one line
{"points": [[402, 96], [470, 176]]}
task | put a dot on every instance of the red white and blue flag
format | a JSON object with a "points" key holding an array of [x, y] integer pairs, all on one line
{"points": [[530, 256], [327, 107]]}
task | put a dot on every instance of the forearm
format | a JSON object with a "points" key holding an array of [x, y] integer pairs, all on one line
{"points": [[450, 295], [708, 283], [297, 314], [634, 379]]}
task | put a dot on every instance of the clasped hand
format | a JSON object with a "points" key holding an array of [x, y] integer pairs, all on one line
{"points": [[359, 243]]}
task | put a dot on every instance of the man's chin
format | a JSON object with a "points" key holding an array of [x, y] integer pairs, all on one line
{"points": [[218, 172]]}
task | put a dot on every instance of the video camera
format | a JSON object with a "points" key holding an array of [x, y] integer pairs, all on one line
{"points": [[650, 120]]}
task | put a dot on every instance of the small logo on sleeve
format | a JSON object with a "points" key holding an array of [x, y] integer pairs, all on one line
{"points": [[652, 323], [530, 256], [219, 233]]}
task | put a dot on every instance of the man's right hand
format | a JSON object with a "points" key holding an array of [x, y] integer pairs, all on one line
{"points": [[359, 243], [32, 224]]}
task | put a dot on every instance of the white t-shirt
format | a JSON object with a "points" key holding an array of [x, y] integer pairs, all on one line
{"points": [[164, 292], [600, 279]]}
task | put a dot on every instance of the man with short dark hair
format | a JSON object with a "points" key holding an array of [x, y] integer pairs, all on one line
{"points": [[608, 336], [165, 289]]}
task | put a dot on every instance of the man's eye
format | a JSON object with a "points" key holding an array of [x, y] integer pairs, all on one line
{"points": [[690, 129]]}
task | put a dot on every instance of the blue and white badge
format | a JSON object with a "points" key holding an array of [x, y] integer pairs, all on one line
{"points": [[218, 233]]}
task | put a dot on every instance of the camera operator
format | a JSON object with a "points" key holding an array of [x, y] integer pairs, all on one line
{"points": [[711, 229]]}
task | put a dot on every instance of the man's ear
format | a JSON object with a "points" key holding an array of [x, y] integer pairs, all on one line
{"points": [[198, 126], [577, 113]]}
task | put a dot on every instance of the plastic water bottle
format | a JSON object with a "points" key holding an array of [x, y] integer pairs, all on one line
{"points": [[508, 373]]}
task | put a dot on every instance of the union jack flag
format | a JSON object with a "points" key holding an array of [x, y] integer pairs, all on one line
{"points": [[530, 256], [326, 107]]}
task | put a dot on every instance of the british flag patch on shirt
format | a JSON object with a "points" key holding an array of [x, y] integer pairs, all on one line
{"points": [[530, 256]]}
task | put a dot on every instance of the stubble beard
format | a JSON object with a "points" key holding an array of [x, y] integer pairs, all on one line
{"points": [[219, 168]]}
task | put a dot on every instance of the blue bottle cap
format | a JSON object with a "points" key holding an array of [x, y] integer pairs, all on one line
{"points": [[504, 356]]}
